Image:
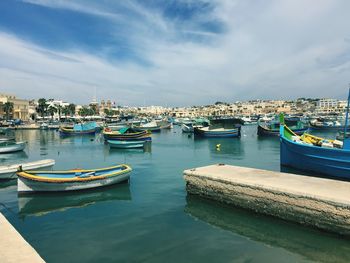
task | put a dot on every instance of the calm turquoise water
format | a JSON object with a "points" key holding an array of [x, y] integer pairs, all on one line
{"points": [[152, 219]]}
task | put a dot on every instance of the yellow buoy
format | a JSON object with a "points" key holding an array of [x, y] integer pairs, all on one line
{"points": [[218, 147]]}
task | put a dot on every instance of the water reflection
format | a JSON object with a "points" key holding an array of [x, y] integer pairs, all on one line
{"points": [[273, 232], [226, 146], [79, 139], [10, 158], [43, 203], [7, 183]]}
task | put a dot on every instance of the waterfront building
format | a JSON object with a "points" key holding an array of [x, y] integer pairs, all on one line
{"points": [[20, 107]]}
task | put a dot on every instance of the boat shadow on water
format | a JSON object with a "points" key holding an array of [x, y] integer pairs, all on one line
{"points": [[310, 243], [40, 204]]}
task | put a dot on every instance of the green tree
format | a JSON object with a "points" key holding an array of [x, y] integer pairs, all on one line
{"points": [[8, 108], [108, 112], [52, 110], [42, 107], [71, 108], [65, 111], [59, 110]]}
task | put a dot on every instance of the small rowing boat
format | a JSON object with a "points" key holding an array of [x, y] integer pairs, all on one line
{"points": [[11, 146], [9, 171], [217, 132], [273, 128], [126, 144], [127, 134], [77, 179], [150, 126]]}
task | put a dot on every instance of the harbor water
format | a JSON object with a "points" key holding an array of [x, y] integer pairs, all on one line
{"points": [[151, 218]]}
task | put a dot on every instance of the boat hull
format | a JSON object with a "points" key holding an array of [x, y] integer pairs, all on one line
{"points": [[136, 136], [25, 185], [226, 133], [323, 161], [126, 144], [327, 128], [19, 146], [71, 132], [262, 131], [152, 129], [58, 181], [9, 172]]}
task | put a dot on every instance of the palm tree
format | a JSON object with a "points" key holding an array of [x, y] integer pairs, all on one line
{"points": [[107, 112], [52, 110], [65, 111], [42, 107], [59, 110], [8, 108], [71, 108]]}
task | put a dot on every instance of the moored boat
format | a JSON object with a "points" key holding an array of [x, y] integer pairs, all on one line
{"points": [[314, 154], [9, 171], [217, 132], [11, 146], [71, 180], [44, 126], [127, 134], [126, 144], [273, 128], [187, 127], [150, 126], [89, 128], [326, 124]]}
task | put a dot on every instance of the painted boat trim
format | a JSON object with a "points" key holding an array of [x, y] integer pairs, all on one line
{"points": [[30, 175]]}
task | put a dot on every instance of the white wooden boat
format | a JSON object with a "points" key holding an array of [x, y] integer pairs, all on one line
{"points": [[9, 146], [78, 179], [126, 144], [44, 126], [187, 127], [9, 171]]}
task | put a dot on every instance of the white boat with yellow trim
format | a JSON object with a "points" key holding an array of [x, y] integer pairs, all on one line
{"points": [[71, 180]]}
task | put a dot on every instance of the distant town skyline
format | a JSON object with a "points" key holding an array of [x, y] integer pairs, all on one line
{"points": [[174, 53]]}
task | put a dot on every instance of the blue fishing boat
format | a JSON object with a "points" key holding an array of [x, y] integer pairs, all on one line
{"points": [[89, 128], [315, 154]]}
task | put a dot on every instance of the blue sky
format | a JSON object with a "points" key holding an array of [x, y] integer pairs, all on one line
{"points": [[174, 53]]}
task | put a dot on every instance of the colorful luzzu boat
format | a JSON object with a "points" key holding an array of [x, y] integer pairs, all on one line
{"points": [[89, 128], [314, 154], [78, 179], [127, 134]]}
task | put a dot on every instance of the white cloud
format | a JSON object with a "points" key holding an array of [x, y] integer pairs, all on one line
{"points": [[277, 49]]}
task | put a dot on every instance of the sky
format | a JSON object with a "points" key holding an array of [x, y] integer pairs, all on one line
{"points": [[174, 52]]}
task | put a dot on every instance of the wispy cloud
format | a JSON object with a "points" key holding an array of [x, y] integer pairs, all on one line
{"points": [[186, 52]]}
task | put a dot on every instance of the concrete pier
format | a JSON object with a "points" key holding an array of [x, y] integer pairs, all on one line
{"points": [[13, 248], [317, 202]]}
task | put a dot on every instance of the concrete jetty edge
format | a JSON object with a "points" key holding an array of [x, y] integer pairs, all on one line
{"points": [[13, 247], [318, 202]]}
